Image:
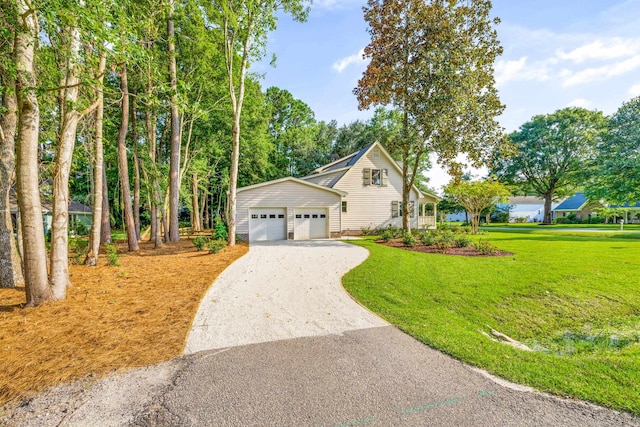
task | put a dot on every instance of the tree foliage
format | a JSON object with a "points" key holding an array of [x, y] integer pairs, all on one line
{"points": [[433, 62], [616, 168], [477, 196], [551, 153]]}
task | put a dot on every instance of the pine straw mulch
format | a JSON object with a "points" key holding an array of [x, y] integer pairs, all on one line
{"points": [[419, 247], [114, 317]]}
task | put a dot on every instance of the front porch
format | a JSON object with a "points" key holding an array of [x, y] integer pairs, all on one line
{"points": [[427, 212]]}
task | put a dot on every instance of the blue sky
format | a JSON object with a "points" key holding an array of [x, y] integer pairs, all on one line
{"points": [[557, 53]]}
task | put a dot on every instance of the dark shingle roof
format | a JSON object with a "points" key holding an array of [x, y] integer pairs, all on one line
{"points": [[574, 203], [344, 162]]}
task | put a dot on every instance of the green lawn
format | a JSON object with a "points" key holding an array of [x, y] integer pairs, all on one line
{"points": [[575, 299], [514, 225]]}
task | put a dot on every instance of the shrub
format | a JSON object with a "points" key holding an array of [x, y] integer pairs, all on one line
{"points": [[466, 229], [78, 228], [386, 235], [485, 247], [220, 231], [408, 239], [79, 248], [199, 242], [216, 245], [366, 231], [415, 232], [462, 241], [112, 254], [442, 244], [428, 239]]}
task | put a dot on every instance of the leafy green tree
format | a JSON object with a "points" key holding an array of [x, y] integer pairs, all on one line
{"points": [[477, 196], [616, 171], [433, 63], [245, 25], [292, 127], [551, 153]]}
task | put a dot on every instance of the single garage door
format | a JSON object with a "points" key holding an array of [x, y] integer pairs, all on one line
{"points": [[310, 223], [267, 224]]}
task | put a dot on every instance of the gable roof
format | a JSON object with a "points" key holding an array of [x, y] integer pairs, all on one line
{"points": [[627, 205], [292, 179], [47, 205], [574, 203], [345, 163], [526, 200]]}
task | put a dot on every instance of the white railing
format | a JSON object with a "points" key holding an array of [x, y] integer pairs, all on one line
{"points": [[426, 221]]}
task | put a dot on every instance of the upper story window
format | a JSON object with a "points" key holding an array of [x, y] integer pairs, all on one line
{"points": [[377, 177]]}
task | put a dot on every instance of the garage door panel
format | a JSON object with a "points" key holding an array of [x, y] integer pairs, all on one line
{"points": [[267, 224], [310, 223]]}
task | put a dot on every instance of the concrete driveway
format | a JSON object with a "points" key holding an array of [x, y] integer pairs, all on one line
{"points": [[281, 290]]}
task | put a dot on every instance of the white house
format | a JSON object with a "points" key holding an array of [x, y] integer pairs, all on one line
{"points": [[359, 191]]}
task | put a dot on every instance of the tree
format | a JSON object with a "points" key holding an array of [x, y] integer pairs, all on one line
{"points": [[245, 25], [477, 196], [10, 263], [616, 169], [34, 253], [174, 160], [551, 153], [433, 63]]}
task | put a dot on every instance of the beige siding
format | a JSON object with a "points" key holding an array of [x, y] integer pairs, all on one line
{"points": [[370, 206], [327, 180], [289, 195]]}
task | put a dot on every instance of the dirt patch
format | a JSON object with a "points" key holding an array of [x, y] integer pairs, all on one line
{"points": [[419, 247], [113, 318]]}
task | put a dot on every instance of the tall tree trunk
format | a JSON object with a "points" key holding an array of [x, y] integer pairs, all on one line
{"points": [[10, 263], [136, 171], [93, 249], [174, 160], [123, 166], [195, 220], [548, 197], [406, 191], [156, 218], [105, 220], [69, 117], [35, 270]]}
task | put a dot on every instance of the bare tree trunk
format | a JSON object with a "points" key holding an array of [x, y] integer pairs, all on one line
{"points": [[195, 221], [123, 167], [136, 172], [105, 226], [174, 160], [10, 263], [35, 270], [406, 191], [93, 249], [156, 226], [69, 118], [548, 196]]}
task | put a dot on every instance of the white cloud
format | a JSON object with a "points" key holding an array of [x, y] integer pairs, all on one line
{"points": [[333, 4], [634, 90], [580, 102], [519, 70], [602, 73], [343, 63], [600, 50]]}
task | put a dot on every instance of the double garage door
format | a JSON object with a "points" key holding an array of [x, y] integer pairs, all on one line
{"points": [[271, 223]]}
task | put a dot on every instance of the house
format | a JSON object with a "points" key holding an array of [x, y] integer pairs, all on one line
{"points": [[526, 208], [357, 192], [78, 213], [578, 205], [630, 212]]}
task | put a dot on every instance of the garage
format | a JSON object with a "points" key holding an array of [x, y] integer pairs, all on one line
{"points": [[310, 223], [267, 224]]}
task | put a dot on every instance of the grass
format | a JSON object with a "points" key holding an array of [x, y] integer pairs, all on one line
{"points": [[574, 299], [514, 225]]}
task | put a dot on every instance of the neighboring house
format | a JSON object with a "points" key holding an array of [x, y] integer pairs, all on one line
{"points": [[631, 212], [357, 192], [526, 208], [576, 204], [77, 213]]}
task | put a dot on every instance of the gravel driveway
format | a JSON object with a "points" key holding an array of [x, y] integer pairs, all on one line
{"points": [[281, 290]]}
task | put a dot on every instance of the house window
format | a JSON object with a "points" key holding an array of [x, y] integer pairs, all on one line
{"points": [[298, 216], [396, 209], [344, 207], [377, 177], [263, 216], [254, 216], [280, 216]]}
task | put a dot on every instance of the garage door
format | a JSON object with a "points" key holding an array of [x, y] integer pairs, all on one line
{"points": [[267, 224], [310, 223]]}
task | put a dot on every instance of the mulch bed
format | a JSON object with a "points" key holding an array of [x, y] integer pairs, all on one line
{"points": [[419, 247], [136, 314]]}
